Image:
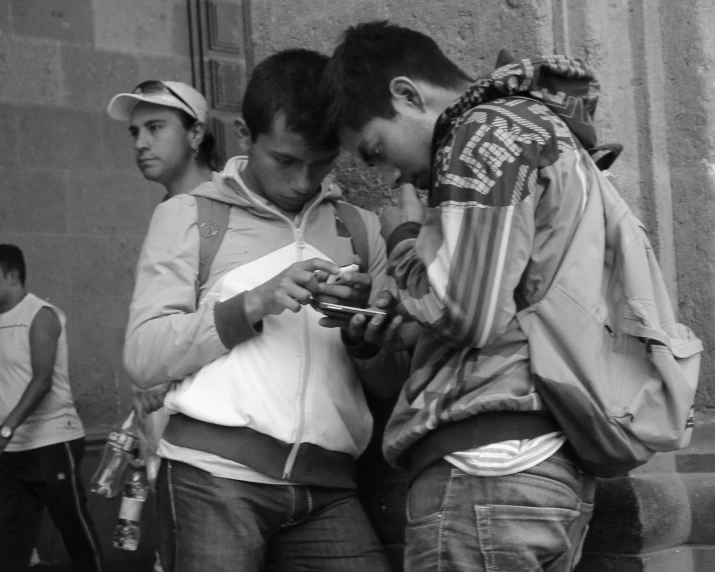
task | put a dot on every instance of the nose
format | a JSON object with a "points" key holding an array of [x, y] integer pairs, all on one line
{"points": [[391, 175], [141, 143], [301, 183]]}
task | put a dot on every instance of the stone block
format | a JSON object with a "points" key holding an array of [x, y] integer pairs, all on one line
{"points": [[157, 27], [30, 72], [107, 203], [174, 68], [639, 514], [67, 20], [34, 201], [100, 386], [672, 560], [58, 138], [93, 77], [117, 146], [9, 155], [4, 18], [701, 498], [100, 265]]}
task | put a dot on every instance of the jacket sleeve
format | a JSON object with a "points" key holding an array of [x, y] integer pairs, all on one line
{"points": [[382, 372], [169, 336], [457, 274]]}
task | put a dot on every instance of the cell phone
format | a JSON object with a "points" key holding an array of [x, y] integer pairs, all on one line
{"points": [[337, 278], [348, 311]]}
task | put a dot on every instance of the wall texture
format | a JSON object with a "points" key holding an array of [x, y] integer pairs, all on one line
{"points": [[71, 197], [70, 194]]}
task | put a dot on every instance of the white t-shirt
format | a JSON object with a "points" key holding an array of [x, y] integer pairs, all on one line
{"points": [[55, 420]]}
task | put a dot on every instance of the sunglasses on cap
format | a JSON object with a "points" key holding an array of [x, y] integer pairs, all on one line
{"points": [[154, 87]]}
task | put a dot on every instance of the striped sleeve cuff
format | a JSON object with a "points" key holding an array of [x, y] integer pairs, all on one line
{"points": [[405, 231]]}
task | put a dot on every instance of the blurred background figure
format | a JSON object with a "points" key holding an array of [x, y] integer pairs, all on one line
{"points": [[41, 435]]}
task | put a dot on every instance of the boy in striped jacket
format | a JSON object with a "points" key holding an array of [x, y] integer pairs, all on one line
{"points": [[493, 482]]}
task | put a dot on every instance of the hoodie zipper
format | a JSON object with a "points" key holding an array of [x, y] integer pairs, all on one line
{"points": [[299, 234], [307, 352]]}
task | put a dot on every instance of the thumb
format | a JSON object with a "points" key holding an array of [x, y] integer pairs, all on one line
{"points": [[408, 195]]}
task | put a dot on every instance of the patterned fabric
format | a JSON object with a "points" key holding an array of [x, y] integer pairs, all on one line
{"points": [[507, 193]]}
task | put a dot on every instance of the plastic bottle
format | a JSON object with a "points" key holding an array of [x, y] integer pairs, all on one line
{"points": [[128, 530], [107, 479]]}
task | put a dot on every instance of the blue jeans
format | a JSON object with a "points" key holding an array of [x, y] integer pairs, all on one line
{"points": [[532, 521], [210, 523]]}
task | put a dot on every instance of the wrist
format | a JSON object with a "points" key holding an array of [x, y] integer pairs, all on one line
{"points": [[254, 307], [405, 231]]}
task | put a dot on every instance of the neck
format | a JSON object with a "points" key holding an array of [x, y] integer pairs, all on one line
{"points": [[13, 299], [194, 176], [441, 99]]}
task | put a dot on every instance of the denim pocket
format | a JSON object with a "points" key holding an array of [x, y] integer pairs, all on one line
{"points": [[429, 494], [522, 537]]}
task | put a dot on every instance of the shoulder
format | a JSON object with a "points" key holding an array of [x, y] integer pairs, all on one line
{"points": [[184, 203], [495, 150], [46, 323], [524, 113], [367, 218], [173, 215]]}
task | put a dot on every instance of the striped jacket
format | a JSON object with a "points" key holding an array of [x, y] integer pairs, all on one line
{"points": [[509, 185]]}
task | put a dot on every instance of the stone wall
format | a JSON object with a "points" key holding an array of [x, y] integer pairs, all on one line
{"points": [[70, 194]]}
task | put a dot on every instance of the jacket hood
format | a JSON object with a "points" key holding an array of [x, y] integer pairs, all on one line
{"points": [[561, 83], [228, 187]]}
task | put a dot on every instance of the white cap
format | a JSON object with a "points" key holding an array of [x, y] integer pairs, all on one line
{"points": [[167, 93]]}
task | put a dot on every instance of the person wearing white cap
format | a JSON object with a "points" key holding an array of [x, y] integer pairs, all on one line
{"points": [[168, 122]]}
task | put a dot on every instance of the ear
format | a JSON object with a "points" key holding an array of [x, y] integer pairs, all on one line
{"points": [[13, 276], [197, 134], [243, 134], [406, 92]]}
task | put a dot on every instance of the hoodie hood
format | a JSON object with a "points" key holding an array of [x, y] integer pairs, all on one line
{"points": [[228, 187], [561, 83]]}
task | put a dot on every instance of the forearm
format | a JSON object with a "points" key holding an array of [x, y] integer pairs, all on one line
{"points": [[35, 392], [170, 347]]}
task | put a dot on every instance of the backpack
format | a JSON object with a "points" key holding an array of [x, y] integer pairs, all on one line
{"points": [[609, 360], [212, 220]]}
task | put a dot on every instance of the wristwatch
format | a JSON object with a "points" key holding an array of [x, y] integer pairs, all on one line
{"points": [[6, 432]]}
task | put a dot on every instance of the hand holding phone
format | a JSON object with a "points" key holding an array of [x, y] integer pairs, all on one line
{"points": [[343, 271]]}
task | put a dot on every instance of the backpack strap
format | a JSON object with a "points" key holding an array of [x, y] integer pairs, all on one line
{"points": [[355, 225], [212, 221]]}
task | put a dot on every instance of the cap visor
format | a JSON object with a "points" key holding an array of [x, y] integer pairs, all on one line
{"points": [[122, 106]]}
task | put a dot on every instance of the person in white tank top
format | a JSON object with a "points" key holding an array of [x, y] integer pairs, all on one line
{"points": [[41, 435]]}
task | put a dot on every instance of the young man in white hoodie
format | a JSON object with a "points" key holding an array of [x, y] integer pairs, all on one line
{"points": [[269, 415]]}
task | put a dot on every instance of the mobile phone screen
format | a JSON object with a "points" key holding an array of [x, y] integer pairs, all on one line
{"points": [[348, 311]]}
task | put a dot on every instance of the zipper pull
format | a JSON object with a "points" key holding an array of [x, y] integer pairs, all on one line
{"points": [[610, 331], [301, 242]]}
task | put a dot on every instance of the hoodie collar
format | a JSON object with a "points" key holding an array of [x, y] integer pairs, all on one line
{"points": [[561, 83], [229, 187]]}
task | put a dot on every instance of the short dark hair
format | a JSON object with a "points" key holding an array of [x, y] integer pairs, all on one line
{"points": [[11, 258], [288, 82], [207, 149], [357, 80]]}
